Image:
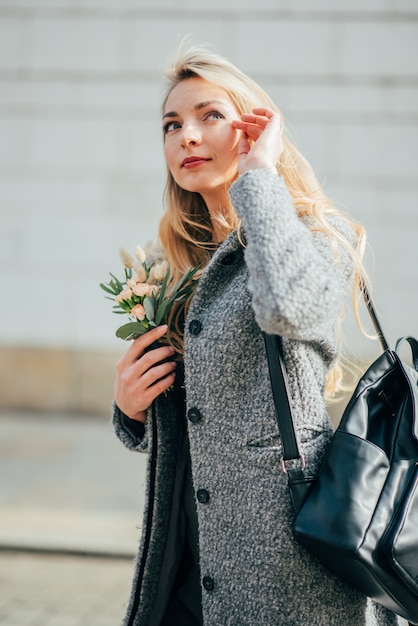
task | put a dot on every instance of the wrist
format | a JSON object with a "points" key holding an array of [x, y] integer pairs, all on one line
{"points": [[140, 416]]}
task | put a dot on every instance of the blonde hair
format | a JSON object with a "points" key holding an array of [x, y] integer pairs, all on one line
{"points": [[186, 228]]}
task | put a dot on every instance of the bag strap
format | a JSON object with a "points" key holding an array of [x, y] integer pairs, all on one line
{"points": [[280, 389], [293, 462], [373, 315]]}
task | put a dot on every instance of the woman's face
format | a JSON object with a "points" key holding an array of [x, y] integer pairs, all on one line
{"points": [[201, 147]]}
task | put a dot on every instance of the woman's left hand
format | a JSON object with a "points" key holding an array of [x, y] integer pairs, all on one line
{"points": [[263, 128]]}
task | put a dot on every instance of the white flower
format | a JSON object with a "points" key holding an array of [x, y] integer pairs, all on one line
{"points": [[141, 289], [138, 311], [160, 270], [125, 294], [127, 260], [140, 254], [141, 274]]}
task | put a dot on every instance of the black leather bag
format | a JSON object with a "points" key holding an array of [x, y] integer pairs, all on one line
{"points": [[359, 515]]}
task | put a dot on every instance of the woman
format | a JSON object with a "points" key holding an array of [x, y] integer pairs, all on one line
{"points": [[243, 204]]}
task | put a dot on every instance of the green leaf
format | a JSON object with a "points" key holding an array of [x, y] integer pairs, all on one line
{"points": [[116, 281], [133, 330], [125, 306], [149, 308], [183, 288], [108, 289], [161, 293], [161, 310]]}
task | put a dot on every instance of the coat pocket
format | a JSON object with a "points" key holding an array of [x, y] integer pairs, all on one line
{"points": [[265, 451]]}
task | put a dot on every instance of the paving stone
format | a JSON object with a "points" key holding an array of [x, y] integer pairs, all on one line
{"points": [[62, 590]]}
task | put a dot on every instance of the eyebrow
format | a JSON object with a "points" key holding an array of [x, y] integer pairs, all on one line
{"points": [[197, 107]]}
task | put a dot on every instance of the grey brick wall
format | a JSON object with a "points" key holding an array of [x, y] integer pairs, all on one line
{"points": [[81, 168]]}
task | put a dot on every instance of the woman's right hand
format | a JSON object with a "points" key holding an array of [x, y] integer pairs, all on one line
{"points": [[264, 128], [140, 375]]}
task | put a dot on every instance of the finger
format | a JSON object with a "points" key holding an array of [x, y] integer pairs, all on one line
{"points": [[151, 336], [151, 358], [264, 117], [247, 127], [274, 118], [137, 348], [134, 392], [265, 112], [251, 131], [254, 132], [251, 118], [254, 125], [156, 373], [160, 386], [244, 146], [238, 125]]}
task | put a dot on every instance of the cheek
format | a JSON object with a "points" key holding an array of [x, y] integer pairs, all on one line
{"points": [[171, 159], [231, 154]]}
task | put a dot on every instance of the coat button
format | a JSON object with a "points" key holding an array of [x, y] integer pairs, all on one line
{"points": [[194, 415], [195, 327], [202, 496], [208, 583]]}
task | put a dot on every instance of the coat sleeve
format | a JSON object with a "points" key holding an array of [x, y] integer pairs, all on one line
{"points": [[297, 281], [133, 435]]}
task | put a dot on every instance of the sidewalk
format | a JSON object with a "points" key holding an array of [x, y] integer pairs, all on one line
{"points": [[71, 498], [67, 484], [57, 590]]}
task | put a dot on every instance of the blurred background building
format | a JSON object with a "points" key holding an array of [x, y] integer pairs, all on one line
{"points": [[82, 173]]}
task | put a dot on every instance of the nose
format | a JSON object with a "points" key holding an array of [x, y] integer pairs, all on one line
{"points": [[190, 135]]}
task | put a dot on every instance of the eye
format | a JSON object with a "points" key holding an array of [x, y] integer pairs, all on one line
{"points": [[215, 115], [170, 126]]}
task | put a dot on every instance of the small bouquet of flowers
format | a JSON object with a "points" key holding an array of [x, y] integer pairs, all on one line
{"points": [[145, 294]]}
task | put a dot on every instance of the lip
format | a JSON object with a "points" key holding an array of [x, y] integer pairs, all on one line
{"points": [[193, 161]]}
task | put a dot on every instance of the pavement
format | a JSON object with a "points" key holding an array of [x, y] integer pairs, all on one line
{"points": [[48, 589], [71, 499]]}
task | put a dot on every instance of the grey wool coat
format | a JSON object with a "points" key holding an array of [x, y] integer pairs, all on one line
{"points": [[286, 280]]}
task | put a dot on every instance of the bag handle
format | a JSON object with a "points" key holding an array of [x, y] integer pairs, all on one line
{"points": [[293, 462], [413, 343]]}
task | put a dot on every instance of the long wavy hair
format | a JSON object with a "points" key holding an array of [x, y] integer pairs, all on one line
{"points": [[186, 227]]}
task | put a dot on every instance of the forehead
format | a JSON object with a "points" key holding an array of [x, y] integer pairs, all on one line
{"points": [[192, 91]]}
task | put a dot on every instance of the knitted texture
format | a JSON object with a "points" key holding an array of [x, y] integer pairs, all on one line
{"points": [[285, 280]]}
